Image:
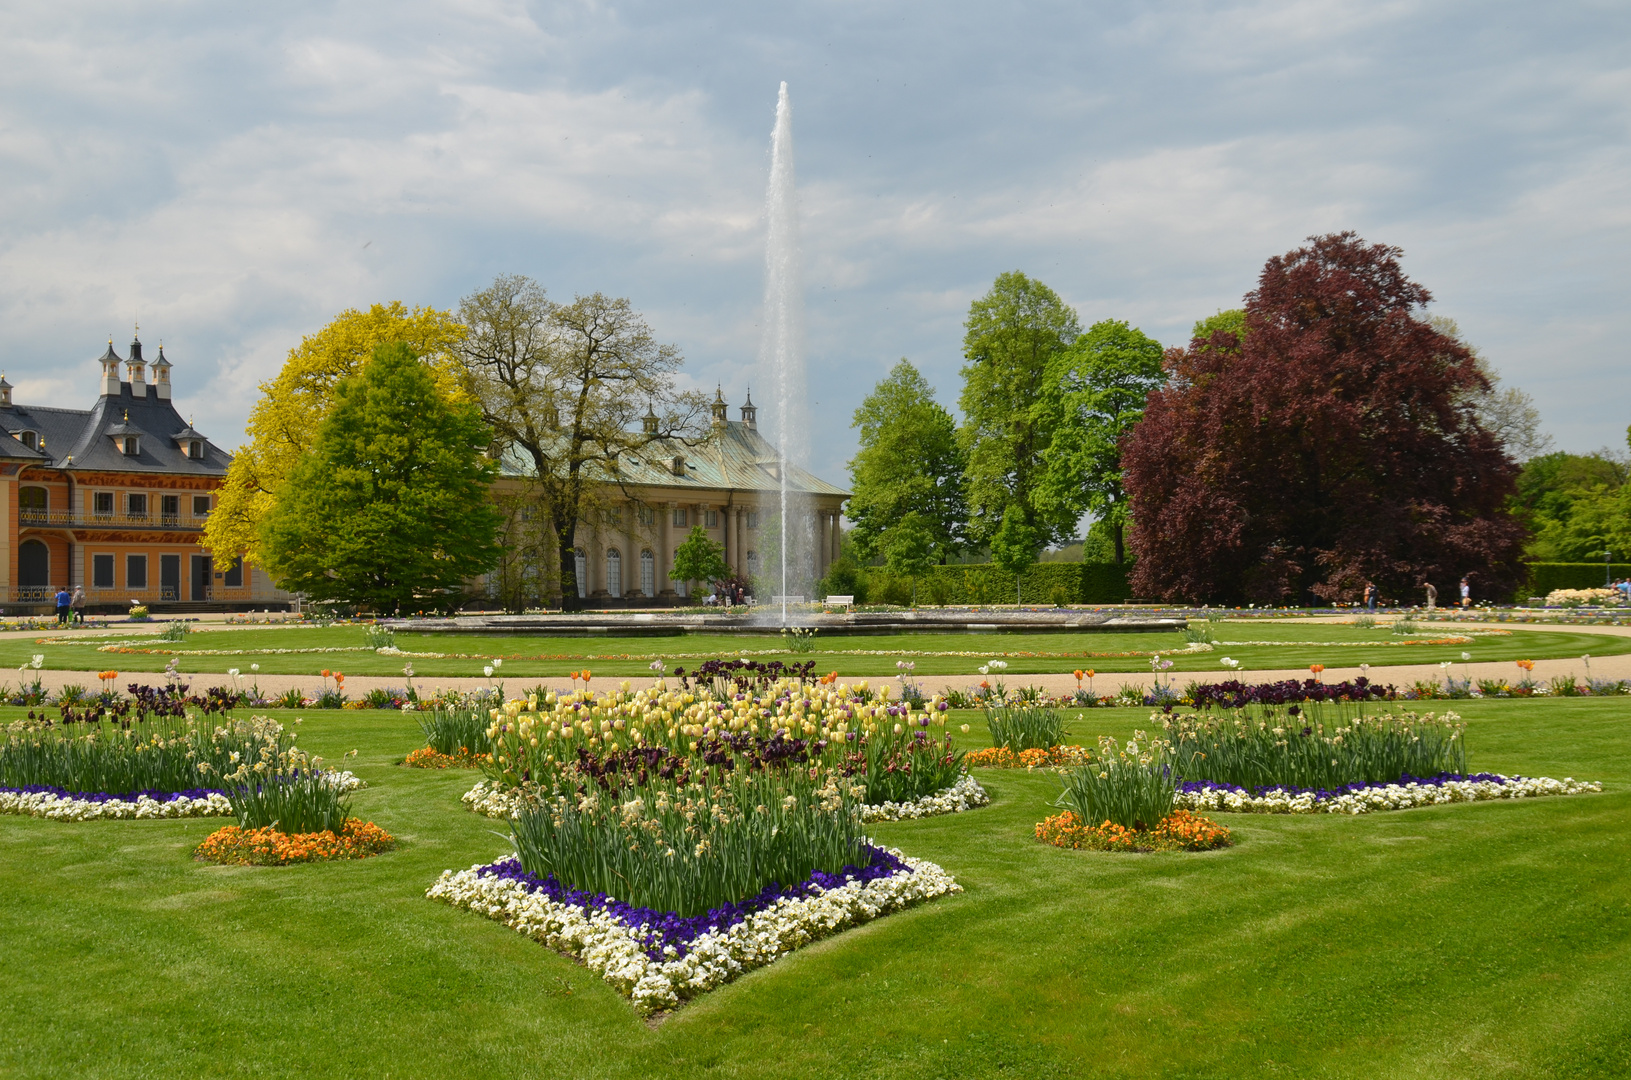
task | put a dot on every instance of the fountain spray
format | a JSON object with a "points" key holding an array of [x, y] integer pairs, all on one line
{"points": [[783, 343]]}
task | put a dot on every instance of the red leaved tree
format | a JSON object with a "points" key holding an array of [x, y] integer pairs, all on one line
{"points": [[1331, 444]]}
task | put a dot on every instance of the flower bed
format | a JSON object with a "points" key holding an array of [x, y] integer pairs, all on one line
{"points": [[965, 794], [1000, 757], [269, 847], [62, 805], [1408, 792], [659, 959], [1179, 831], [428, 757]]}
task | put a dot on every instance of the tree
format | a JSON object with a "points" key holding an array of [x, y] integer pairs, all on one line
{"points": [[910, 550], [1012, 334], [1510, 414], [909, 464], [1332, 442], [1575, 505], [563, 388], [282, 424], [1092, 398], [699, 558], [389, 507]]}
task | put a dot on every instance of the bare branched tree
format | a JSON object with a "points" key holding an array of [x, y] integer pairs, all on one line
{"points": [[568, 389]]}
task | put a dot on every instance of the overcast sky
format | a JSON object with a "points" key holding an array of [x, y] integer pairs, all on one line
{"points": [[235, 175]]}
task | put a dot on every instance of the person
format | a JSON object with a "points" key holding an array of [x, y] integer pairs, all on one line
{"points": [[63, 600], [1432, 596], [1370, 596], [1466, 594], [77, 604]]}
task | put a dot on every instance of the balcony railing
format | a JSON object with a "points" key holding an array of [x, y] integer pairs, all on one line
{"points": [[49, 519], [46, 594]]}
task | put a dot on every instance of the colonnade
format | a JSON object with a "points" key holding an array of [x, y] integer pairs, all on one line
{"points": [[645, 549]]}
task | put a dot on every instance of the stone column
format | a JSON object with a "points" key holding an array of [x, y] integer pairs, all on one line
{"points": [[837, 535], [665, 531], [631, 551], [736, 557]]}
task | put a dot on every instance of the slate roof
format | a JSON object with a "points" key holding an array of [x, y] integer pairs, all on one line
{"points": [[86, 435], [734, 457]]}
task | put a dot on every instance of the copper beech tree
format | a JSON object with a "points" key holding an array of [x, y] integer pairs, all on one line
{"points": [[1333, 441]]}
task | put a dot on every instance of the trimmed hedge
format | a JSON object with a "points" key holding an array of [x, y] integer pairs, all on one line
{"points": [[1546, 576], [987, 583]]}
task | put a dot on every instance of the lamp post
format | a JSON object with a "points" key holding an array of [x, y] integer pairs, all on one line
{"points": [[1608, 573]]}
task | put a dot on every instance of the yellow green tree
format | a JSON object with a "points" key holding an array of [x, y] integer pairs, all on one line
{"points": [[285, 420]]}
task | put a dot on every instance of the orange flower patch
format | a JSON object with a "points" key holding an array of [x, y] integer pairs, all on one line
{"points": [[1000, 757], [1181, 830], [267, 847], [427, 758]]}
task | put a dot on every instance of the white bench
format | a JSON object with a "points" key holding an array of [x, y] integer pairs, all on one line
{"points": [[838, 601], [787, 599]]}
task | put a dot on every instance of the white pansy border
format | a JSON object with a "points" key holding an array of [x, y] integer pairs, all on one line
{"points": [[1388, 797], [965, 794], [490, 800], [614, 952], [47, 804]]}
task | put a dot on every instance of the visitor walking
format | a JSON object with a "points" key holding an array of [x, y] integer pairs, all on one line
{"points": [[63, 600], [1370, 596], [77, 604], [1466, 594], [1432, 595]]}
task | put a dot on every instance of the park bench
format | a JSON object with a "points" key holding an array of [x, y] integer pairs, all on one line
{"points": [[838, 601]]}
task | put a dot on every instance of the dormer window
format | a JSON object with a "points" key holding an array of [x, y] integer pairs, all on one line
{"points": [[30, 439], [195, 449], [129, 445]]}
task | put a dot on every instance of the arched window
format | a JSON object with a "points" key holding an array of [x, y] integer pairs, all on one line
{"points": [[582, 569], [614, 572], [648, 573], [33, 564]]}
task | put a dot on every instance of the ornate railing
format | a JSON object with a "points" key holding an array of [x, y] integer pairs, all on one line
{"points": [[49, 519]]}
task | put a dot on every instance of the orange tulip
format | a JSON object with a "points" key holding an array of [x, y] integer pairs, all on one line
{"points": [[1316, 668], [1527, 665], [1079, 674], [1089, 673]]}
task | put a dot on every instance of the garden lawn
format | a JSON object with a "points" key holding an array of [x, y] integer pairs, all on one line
{"points": [[1484, 940], [341, 648]]}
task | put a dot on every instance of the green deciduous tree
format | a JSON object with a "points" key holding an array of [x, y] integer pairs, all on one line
{"points": [[1011, 336], [1092, 398], [1575, 506], [699, 558], [909, 463], [909, 550], [388, 508]]}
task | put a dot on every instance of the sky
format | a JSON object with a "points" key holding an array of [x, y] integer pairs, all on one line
{"points": [[234, 176]]}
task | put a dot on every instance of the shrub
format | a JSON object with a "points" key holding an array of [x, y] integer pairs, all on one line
{"points": [[1131, 786], [1024, 727]]}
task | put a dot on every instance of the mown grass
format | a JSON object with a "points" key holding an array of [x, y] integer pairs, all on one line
{"points": [[1487, 940], [853, 657]]}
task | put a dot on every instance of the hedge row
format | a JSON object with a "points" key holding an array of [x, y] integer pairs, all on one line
{"points": [[1546, 576], [986, 583]]}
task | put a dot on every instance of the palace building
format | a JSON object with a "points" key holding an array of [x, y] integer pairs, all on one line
{"points": [[114, 498], [729, 483]]}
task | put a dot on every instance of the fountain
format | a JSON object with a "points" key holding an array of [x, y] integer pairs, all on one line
{"points": [[782, 348]]}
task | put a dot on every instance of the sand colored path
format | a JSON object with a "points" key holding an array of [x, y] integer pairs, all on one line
{"points": [[1400, 675]]}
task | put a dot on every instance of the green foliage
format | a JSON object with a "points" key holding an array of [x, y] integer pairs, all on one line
{"points": [[174, 631], [909, 766], [1546, 576], [699, 558], [909, 462], [102, 754], [688, 848], [844, 578], [1576, 505], [1232, 321], [378, 637], [291, 802], [1012, 335], [1283, 749], [1025, 727], [389, 508], [448, 731], [909, 548], [986, 583], [1129, 786], [1092, 398]]}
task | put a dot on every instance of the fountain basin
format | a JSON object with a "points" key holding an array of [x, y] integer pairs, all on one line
{"points": [[763, 622]]}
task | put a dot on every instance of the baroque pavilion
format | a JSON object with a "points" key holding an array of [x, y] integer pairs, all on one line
{"points": [[114, 498]]}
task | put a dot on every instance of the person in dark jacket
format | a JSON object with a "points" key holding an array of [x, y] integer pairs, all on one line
{"points": [[63, 600]]}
